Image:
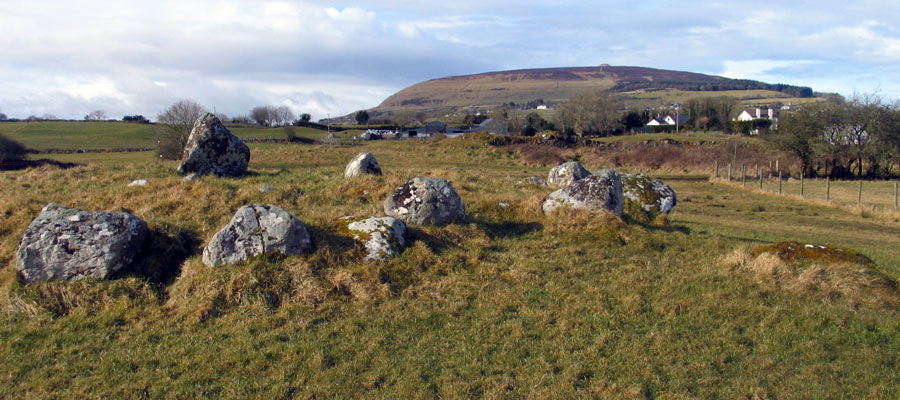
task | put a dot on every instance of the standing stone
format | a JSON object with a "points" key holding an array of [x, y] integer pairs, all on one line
{"points": [[384, 237], [426, 201], [257, 229], [212, 149], [69, 244], [363, 163], [599, 192], [566, 174], [651, 194]]}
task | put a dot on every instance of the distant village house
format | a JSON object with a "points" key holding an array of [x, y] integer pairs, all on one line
{"points": [[669, 120]]}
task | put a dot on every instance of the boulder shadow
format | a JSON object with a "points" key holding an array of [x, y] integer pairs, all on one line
{"points": [[328, 237], [163, 254], [16, 165], [507, 229], [656, 228]]}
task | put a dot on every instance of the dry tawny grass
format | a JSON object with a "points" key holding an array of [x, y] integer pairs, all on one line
{"points": [[861, 286]]}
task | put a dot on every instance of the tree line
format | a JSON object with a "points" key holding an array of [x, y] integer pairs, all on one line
{"points": [[858, 137], [715, 86]]}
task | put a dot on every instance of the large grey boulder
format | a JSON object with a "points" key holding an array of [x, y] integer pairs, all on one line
{"points": [[566, 174], [69, 244], [363, 163], [212, 149], [426, 201], [651, 194], [599, 192], [384, 237], [257, 229]]}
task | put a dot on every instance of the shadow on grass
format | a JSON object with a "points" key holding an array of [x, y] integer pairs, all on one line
{"points": [[507, 229], [15, 165], [669, 227], [164, 252]]}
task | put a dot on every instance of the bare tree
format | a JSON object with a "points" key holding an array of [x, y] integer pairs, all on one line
{"points": [[98, 115], [175, 124], [284, 115], [591, 113], [263, 115]]}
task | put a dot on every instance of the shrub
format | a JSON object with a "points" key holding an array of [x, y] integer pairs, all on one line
{"points": [[171, 144], [290, 134], [11, 150]]}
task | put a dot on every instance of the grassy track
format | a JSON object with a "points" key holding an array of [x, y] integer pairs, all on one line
{"points": [[510, 304]]}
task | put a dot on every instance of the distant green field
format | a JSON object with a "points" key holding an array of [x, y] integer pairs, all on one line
{"points": [[43, 135], [748, 98]]}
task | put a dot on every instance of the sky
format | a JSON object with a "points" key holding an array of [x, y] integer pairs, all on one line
{"points": [[69, 58]]}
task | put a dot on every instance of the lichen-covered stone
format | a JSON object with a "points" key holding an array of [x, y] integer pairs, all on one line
{"points": [[69, 244], [254, 230], [363, 163], [384, 237], [212, 149], [599, 192], [651, 194], [426, 201], [566, 174]]}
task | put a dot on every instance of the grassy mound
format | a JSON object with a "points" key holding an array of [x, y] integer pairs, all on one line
{"points": [[820, 272]]}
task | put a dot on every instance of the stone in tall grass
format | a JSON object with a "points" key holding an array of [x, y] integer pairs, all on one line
{"points": [[566, 174], [69, 244], [599, 192], [384, 237], [363, 163], [426, 201], [212, 149], [254, 230]]}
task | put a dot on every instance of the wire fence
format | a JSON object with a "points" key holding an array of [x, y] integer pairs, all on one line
{"points": [[883, 195]]}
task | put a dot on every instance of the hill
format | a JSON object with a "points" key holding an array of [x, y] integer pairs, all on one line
{"points": [[638, 86]]}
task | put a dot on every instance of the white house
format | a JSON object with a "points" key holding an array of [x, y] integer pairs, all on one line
{"points": [[669, 120], [751, 114]]}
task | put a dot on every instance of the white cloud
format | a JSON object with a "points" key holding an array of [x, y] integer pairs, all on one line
{"points": [[138, 57]]}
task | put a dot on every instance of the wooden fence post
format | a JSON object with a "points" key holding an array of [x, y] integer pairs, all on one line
{"points": [[760, 182], [743, 176], [779, 182], [729, 172], [801, 184], [859, 194], [717, 169], [896, 193], [827, 188]]}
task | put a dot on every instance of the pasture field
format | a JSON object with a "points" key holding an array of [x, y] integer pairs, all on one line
{"points": [[748, 98], [511, 303], [43, 135]]}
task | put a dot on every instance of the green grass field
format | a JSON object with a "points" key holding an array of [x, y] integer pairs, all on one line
{"points": [[42, 135], [510, 304]]}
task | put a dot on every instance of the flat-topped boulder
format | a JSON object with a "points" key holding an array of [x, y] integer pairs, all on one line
{"points": [[254, 230], [599, 192], [213, 149], [363, 163], [566, 174], [69, 244], [384, 237], [652, 195], [426, 201]]}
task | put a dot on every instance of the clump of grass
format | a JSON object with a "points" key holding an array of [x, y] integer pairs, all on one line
{"points": [[593, 227], [823, 277], [202, 292], [82, 297]]}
